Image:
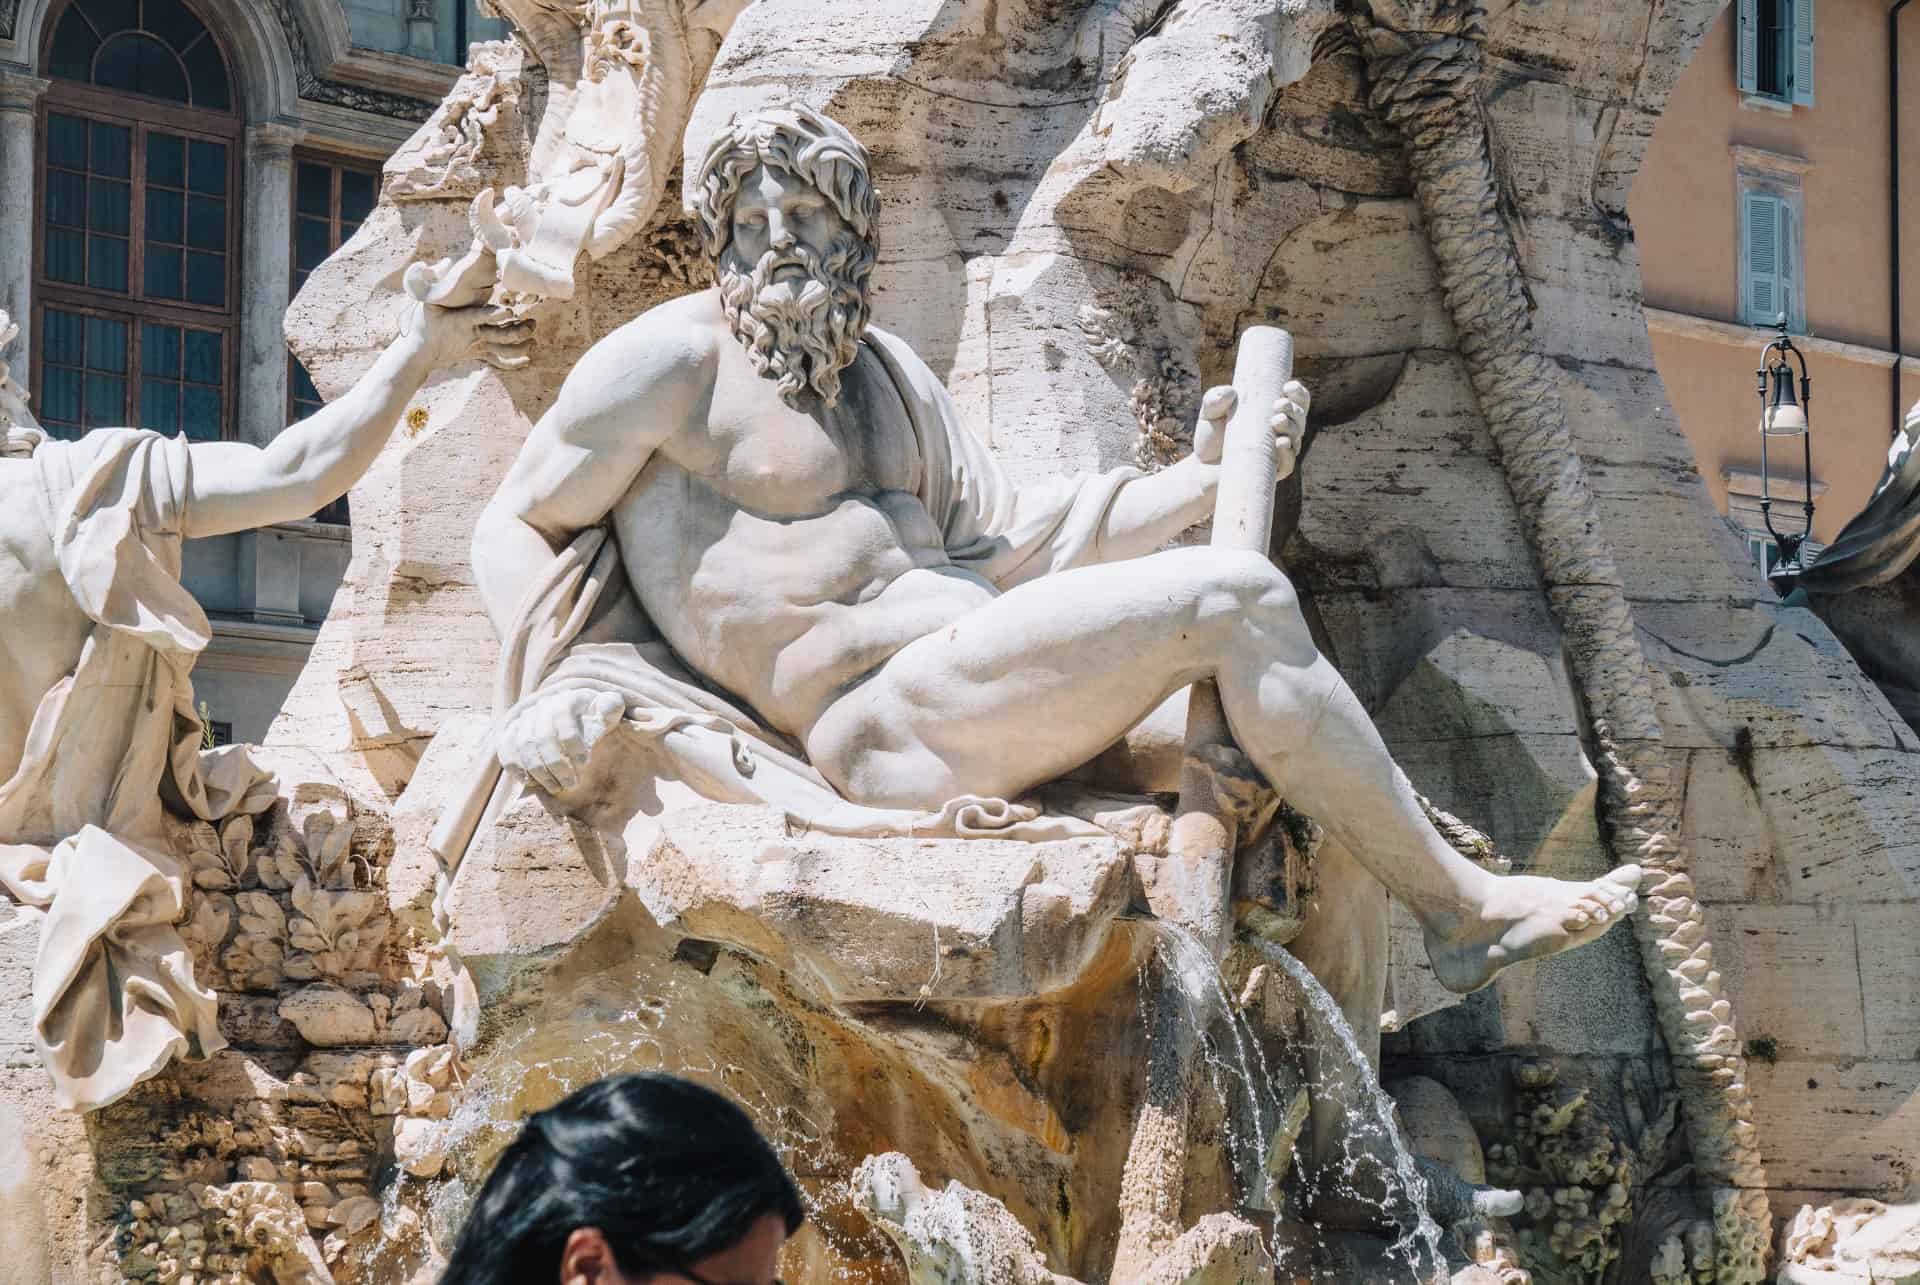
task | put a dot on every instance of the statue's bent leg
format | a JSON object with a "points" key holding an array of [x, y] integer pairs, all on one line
{"points": [[1031, 685]]}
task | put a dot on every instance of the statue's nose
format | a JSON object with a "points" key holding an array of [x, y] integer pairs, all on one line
{"points": [[779, 234]]}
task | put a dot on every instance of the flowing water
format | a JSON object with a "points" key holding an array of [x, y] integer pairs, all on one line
{"points": [[1249, 1095]]}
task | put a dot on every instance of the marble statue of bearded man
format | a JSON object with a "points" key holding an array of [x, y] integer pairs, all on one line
{"points": [[846, 608]]}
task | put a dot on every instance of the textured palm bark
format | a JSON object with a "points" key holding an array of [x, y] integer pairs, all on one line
{"points": [[1425, 84]]}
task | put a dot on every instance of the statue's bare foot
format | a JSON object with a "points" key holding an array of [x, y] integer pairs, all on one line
{"points": [[1528, 917]]}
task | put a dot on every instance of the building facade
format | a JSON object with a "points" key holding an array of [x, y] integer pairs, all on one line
{"points": [[1768, 190], [170, 171]]}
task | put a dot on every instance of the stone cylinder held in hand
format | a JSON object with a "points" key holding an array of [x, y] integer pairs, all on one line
{"points": [[1249, 463]]}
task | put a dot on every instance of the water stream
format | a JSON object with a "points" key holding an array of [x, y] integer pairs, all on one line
{"points": [[1249, 1095]]}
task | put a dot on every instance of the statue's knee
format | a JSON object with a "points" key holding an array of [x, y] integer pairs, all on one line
{"points": [[1249, 580]]}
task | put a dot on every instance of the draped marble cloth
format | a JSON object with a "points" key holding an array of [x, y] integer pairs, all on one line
{"points": [[581, 627], [1883, 539], [82, 836]]}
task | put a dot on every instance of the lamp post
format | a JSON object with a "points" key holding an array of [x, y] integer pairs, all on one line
{"points": [[1783, 416]]}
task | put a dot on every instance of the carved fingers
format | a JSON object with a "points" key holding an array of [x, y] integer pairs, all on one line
{"points": [[1288, 421], [495, 335], [1210, 434], [549, 741], [1290, 424]]}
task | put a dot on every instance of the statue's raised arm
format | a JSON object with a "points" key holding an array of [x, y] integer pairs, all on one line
{"points": [[97, 717]]}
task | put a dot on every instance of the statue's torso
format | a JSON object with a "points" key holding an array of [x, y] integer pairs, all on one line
{"points": [[785, 554], [44, 627]]}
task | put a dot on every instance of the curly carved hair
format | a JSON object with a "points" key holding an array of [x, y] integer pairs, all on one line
{"points": [[796, 139]]}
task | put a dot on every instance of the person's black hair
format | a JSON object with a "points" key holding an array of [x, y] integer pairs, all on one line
{"points": [[669, 1171]]}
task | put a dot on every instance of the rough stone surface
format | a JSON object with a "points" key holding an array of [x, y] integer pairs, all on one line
{"points": [[1073, 241]]}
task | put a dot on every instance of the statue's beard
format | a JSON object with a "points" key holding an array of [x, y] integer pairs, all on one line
{"points": [[799, 331]]}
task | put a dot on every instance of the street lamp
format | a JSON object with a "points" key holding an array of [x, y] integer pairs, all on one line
{"points": [[1781, 416]]}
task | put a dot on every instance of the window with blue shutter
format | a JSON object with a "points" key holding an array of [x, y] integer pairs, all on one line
{"points": [[1770, 282], [1773, 50], [1802, 73]]}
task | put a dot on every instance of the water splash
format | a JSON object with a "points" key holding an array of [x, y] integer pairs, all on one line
{"points": [[1249, 1095], [1420, 1232]]}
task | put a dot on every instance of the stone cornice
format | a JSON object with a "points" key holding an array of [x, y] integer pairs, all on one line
{"points": [[20, 93], [269, 137], [1686, 325], [1758, 160]]}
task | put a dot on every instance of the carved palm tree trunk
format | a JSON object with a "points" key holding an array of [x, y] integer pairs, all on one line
{"points": [[1424, 79]]}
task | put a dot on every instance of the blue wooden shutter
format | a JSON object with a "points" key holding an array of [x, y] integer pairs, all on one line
{"points": [[1760, 215], [1803, 53], [1746, 39], [1790, 302]]}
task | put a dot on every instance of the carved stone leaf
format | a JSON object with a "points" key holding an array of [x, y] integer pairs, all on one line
{"points": [[236, 845], [261, 914], [212, 916], [302, 935]]}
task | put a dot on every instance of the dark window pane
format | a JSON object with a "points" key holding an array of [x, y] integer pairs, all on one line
{"points": [[163, 272], [200, 413], [167, 160], [172, 22], [73, 46], [107, 345], [107, 205], [62, 336], [303, 389], [206, 278], [106, 401], [66, 256], [112, 153], [60, 394], [110, 16], [160, 406], [312, 243], [66, 199], [207, 168], [208, 72], [141, 65], [313, 190], [166, 216], [160, 350], [203, 357], [357, 193], [66, 141], [207, 223], [107, 263]]}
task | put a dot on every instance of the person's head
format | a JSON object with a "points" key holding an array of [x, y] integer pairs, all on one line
{"points": [[633, 1180], [787, 216]]}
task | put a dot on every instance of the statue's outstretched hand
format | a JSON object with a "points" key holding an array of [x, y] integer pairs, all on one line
{"points": [[550, 740], [1289, 423], [491, 333]]}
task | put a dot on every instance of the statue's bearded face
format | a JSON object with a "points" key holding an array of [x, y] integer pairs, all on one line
{"points": [[793, 283]]}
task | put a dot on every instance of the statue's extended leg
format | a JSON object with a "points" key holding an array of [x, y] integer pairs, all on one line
{"points": [[1031, 685]]}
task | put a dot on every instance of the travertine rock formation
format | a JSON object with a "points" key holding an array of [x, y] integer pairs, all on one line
{"points": [[1499, 539]]}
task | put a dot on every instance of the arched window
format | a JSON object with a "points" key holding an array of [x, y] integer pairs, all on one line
{"points": [[137, 304]]}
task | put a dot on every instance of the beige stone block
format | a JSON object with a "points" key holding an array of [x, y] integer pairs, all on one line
{"points": [[1848, 1126], [1729, 840], [1890, 977], [1793, 975], [970, 918], [1415, 470]]}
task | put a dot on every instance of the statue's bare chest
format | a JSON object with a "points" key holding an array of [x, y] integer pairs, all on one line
{"points": [[784, 461]]}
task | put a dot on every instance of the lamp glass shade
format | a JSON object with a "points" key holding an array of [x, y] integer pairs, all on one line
{"points": [[1784, 421]]}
